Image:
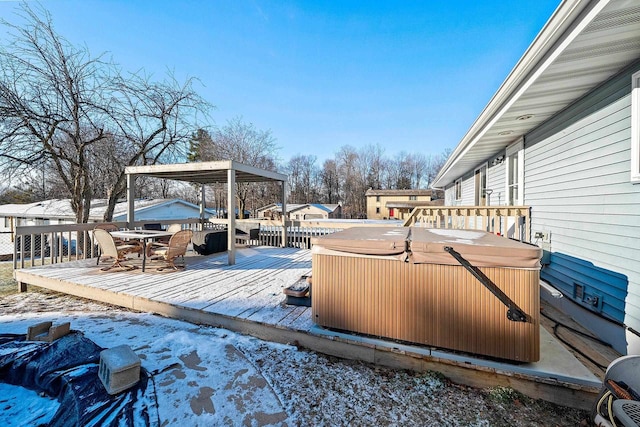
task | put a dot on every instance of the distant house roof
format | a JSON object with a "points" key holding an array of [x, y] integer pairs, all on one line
{"points": [[61, 208], [292, 207], [410, 204], [278, 207], [415, 192], [326, 207]]}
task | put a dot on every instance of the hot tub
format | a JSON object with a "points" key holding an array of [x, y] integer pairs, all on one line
{"points": [[409, 284]]}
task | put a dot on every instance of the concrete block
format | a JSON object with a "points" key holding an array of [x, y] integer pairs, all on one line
{"points": [[38, 330], [57, 331], [119, 369], [47, 332]]}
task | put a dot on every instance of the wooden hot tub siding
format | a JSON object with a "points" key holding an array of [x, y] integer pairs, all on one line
{"points": [[431, 304]]}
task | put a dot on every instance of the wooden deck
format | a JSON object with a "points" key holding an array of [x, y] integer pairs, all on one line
{"points": [[247, 297], [250, 290]]}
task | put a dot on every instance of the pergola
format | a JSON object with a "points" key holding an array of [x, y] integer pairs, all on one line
{"points": [[226, 171]]}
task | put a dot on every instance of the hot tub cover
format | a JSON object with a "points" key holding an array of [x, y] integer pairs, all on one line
{"points": [[367, 240], [480, 248]]}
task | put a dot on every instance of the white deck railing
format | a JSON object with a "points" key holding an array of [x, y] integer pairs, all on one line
{"points": [[51, 244], [508, 221]]}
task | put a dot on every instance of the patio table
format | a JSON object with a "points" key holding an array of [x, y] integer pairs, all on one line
{"points": [[143, 236]]}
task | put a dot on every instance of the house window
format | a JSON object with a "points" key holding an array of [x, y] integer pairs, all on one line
{"points": [[458, 189], [377, 210], [413, 198], [480, 179], [377, 198], [515, 174], [635, 128]]}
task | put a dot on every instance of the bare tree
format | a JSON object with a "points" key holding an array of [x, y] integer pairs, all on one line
{"points": [[437, 162], [48, 96], [60, 106], [371, 164], [351, 185], [302, 173], [155, 122], [330, 182], [238, 141], [419, 164]]}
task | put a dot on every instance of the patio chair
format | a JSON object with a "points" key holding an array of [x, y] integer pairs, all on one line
{"points": [[177, 247], [164, 241], [110, 250], [136, 245]]}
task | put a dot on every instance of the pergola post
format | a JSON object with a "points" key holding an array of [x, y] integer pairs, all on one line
{"points": [[284, 214], [231, 216], [131, 191], [203, 203]]}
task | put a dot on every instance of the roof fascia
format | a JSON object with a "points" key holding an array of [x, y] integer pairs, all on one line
{"points": [[564, 25]]}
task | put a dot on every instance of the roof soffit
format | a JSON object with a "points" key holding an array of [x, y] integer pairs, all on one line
{"points": [[588, 44]]}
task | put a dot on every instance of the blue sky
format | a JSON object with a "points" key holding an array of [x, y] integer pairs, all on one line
{"points": [[409, 75]]}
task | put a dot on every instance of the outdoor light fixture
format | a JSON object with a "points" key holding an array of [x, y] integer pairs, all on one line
{"points": [[498, 160], [524, 117]]}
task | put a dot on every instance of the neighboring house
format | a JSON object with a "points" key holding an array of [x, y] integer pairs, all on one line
{"points": [[397, 204], [58, 211], [562, 135], [297, 212]]}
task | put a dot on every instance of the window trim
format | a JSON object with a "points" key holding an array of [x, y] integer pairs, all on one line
{"points": [[480, 193], [635, 128], [515, 148], [457, 189]]}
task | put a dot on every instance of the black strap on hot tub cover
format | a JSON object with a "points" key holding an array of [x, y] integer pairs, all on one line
{"points": [[514, 313]]}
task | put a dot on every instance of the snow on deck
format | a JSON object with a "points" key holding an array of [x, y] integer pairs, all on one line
{"points": [[249, 290]]}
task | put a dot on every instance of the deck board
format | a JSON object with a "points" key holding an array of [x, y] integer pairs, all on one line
{"points": [[252, 288]]}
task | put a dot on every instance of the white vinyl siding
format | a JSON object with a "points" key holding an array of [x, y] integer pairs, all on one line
{"points": [[468, 191], [495, 183], [577, 181], [635, 128], [450, 195]]}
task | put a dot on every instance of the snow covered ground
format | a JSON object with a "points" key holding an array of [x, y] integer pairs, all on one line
{"points": [[210, 376]]}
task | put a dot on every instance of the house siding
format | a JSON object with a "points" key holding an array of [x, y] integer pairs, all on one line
{"points": [[450, 195], [163, 212], [377, 202], [468, 191], [309, 212], [577, 169], [496, 183]]}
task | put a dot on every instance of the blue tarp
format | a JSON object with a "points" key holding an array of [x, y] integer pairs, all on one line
{"points": [[67, 370]]}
